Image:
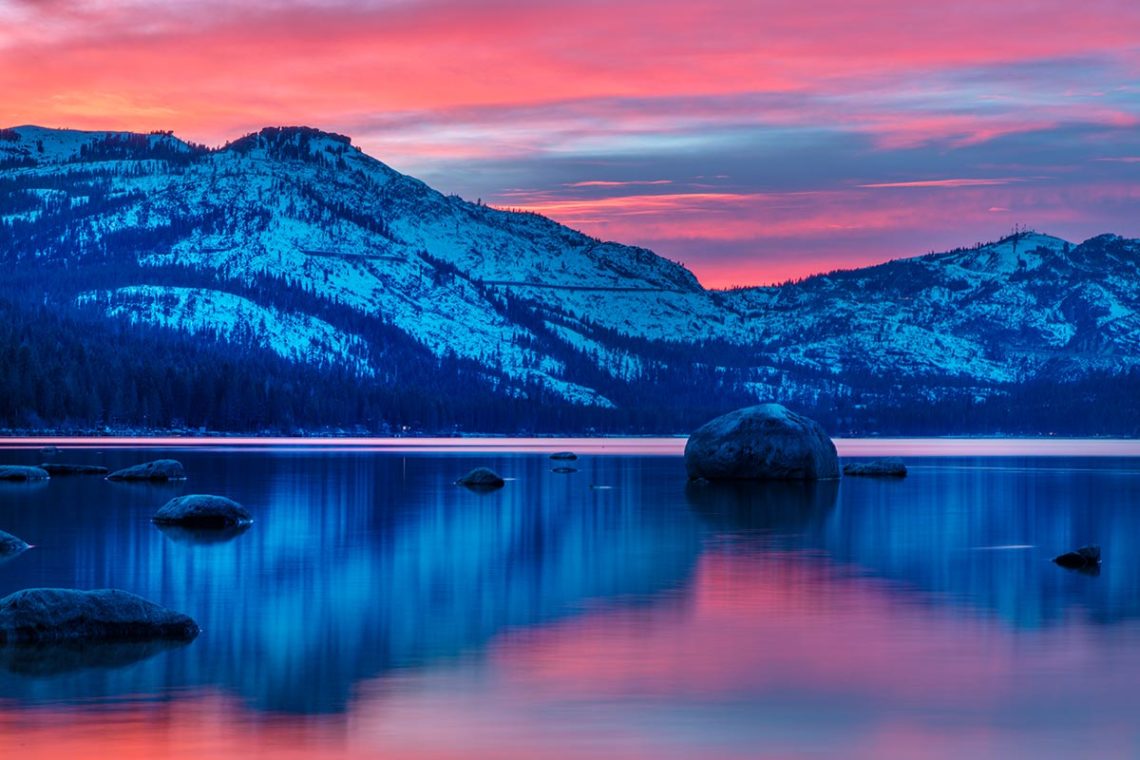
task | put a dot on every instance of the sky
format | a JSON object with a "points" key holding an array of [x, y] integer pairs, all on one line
{"points": [[754, 141]]}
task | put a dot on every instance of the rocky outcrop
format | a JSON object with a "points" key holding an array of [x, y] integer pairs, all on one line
{"points": [[158, 470], [73, 469], [21, 473], [892, 467], [202, 511], [482, 478], [54, 614], [765, 442]]}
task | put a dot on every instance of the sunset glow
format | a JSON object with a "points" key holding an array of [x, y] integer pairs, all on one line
{"points": [[754, 141]]}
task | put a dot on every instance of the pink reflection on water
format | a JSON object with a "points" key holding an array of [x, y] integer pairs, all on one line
{"points": [[765, 655], [663, 446]]}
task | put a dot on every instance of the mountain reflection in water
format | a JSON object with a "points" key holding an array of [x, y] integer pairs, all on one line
{"points": [[376, 609]]}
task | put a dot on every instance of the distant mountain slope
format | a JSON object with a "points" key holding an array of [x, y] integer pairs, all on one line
{"points": [[291, 241]]}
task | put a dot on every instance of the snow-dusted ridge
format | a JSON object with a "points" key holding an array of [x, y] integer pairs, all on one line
{"points": [[536, 304]]}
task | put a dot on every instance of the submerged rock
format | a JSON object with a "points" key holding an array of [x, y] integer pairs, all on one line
{"points": [[202, 511], [891, 467], [10, 546], [564, 455], [1085, 558], [21, 473], [159, 469], [765, 442], [181, 534], [482, 477], [55, 614], [73, 469]]}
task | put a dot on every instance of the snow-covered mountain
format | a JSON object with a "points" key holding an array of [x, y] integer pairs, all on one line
{"points": [[295, 242]]}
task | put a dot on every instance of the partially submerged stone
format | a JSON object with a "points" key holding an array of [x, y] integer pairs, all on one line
{"points": [[482, 477], [564, 456], [1085, 558], [18, 472], [891, 467], [202, 511], [764, 442], [42, 615], [10, 545], [73, 469], [158, 470], [56, 658]]}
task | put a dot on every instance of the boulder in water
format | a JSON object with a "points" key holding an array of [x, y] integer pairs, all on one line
{"points": [[482, 477], [158, 470], [764, 442], [567, 456], [42, 615], [1085, 558], [891, 467], [202, 511], [21, 473]]}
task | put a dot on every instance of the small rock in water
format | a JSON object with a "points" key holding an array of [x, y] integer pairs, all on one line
{"points": [[892, 467], [73, 469], [57, 614], [158, 470], [21, 473], [1085, 558], [482, 477], [10, 546], [202, 511], [564, 455]]}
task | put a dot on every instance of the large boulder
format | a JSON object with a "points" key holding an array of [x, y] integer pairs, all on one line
{"points": [[202, 511], [891, 467], [482, 478], [765, 442], [10, 546], [73, 469], [42, 615], [159, 469], [21, 473]]}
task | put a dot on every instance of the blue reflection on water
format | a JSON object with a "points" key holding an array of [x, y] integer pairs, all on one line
{"points": [[363, 563]]}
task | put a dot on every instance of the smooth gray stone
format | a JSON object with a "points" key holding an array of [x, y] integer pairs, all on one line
{"points": [[764, 442]]}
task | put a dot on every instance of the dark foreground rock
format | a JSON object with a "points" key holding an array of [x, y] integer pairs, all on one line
{"points": [[891, 467], [21, 473], [566, 456], [10, 546], [765, 442], [158, 470], [1085, 558], [42, 615], [482, 477], [202, 511], [73, 469]]}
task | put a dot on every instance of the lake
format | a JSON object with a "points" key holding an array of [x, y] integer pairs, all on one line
{"points": [[375, 609]]}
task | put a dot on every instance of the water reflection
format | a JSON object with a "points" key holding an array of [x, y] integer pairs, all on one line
{"points": [[615, 610], [355, 565]]}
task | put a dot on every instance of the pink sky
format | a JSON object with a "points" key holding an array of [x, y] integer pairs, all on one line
{"points": [[752, 140]]}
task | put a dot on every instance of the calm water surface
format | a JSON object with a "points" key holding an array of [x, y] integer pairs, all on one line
{"points": [[377, 610]]}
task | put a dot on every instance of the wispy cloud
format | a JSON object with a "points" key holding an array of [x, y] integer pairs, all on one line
{"points": [[729, 133]]}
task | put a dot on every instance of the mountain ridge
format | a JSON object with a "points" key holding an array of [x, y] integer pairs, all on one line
{"points": [[296, 226]]}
